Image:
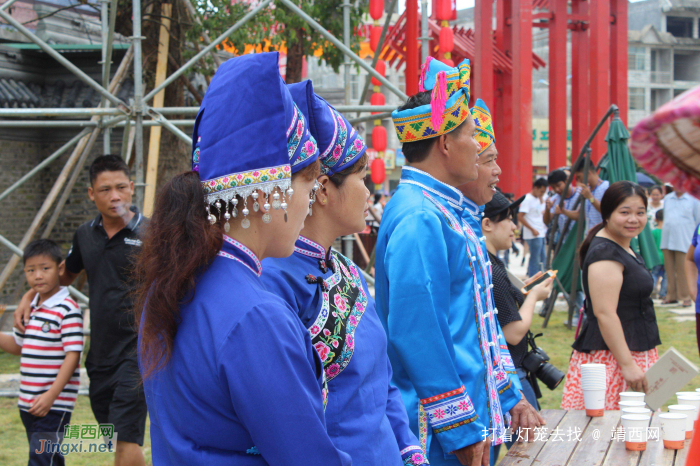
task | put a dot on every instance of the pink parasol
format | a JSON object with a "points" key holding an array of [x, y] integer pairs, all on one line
{"points": [[667, 142]]}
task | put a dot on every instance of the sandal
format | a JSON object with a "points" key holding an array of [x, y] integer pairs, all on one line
{"points": [[669, 302], [687, 303]]}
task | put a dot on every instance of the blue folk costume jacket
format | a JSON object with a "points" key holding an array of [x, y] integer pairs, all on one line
{"points": [[446, 348], [365, 415], [207, 406]]}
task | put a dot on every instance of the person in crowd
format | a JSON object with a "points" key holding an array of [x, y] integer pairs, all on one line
{"points": [[425, 287], [531, 216], [50, 347], [656, 203], [331, 297], [515, 311], [620, 330], [230, 374], [692, 264], [557, 182], [659, 271], [374, 217], [592, 191], [476, 195], [104, 247], [681, 214]]}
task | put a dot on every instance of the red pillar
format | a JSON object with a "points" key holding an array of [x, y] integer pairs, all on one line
{"points": [[522, 95], [557, 83], [600, 72], [580, 108], [503, 114], [412, 62], [618, 57], [483, 84]]}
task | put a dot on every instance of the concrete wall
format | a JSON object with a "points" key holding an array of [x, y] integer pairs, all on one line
{"points": [[642, 13]]}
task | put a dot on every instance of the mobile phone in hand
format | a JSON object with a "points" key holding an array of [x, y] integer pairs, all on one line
{"points": [[548, 274]]}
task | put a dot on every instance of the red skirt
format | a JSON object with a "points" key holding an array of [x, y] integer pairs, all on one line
{"points": [[573, 393]]}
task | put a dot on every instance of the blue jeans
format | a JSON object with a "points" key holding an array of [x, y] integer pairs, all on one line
{"points": [[537, 255], [656, 272], [531, 398]]}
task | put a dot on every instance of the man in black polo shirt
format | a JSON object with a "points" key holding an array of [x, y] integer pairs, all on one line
{"points": [[104, 247]]}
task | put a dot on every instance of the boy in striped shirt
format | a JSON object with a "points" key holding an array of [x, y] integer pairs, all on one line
{"points": [[50, 351]]}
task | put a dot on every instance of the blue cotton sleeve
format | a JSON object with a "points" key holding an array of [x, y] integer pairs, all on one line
{"points": [[417, 327], [412, 453], [274, 377], [694, 241]]}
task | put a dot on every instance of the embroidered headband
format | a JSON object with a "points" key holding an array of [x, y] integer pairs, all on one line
{"points": [[249, 135], [449, 102], [340, 146], [484, 125]]}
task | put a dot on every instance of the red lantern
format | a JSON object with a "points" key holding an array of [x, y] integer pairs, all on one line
{"points": [[447, 42], [378, 169], [374, 33], [377, 99], [379, 138], [381, 69], [448, 62], [443, 10], [376, 9]]}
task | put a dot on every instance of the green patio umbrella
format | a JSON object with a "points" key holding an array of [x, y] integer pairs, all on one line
{"points": [[617, 166]]}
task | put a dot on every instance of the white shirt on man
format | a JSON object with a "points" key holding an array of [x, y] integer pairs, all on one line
{"points": [[533, 208]]}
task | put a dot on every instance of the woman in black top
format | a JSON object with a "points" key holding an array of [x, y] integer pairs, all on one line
{"points": [[514, 310], [620, 330]]}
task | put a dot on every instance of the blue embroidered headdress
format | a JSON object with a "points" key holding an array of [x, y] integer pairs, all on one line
{"points": [[249, 135], [340, 146]]}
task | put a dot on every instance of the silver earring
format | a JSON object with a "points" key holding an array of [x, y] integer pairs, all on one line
{"points": [[234, 211], [284, 207], [245, 223], [276, 204], [210, 216]]}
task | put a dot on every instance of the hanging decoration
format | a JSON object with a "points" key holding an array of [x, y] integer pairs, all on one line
{"points": [[378, 171], [379, 137], [443, 12]]}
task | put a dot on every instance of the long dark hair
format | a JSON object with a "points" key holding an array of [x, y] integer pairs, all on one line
{"points": [[613, 197], [179, 242]]}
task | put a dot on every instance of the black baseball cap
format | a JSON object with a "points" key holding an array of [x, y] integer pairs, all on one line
{"points": [[500, 203]]}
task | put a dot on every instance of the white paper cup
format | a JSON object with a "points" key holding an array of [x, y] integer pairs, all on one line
{"points": [[673, 430], [632, 396], [693, 400], [632, 404], [594, 401], [697, 390], [695, 393], [691, 412], [635, 426], [628, 410]]}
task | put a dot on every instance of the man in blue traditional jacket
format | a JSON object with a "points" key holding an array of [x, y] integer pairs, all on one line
{"points": [[444, 339]]}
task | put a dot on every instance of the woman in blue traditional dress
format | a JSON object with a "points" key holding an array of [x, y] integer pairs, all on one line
{"points": [[365, 415], [230, 374]]}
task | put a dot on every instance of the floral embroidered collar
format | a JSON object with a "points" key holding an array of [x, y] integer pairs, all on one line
{"points": [[410, 175], [239, 252]]}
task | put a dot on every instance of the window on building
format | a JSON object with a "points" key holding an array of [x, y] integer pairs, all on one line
{"points": [[679, 26], [637, 59], [354, 87], [636, 96]]}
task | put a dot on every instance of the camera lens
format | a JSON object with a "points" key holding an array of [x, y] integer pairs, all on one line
{"points": [[549, 375]]}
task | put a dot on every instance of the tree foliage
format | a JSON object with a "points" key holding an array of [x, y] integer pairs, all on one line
{"points": [[277, 26]]}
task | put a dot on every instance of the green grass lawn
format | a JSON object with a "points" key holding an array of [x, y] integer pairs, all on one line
{"points": [[556, 341]]}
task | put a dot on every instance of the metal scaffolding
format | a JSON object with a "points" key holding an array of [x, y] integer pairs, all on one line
{"points": [[113, 112]]}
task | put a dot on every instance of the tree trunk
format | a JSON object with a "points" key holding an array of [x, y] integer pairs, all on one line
{"points": [[295, 57]]}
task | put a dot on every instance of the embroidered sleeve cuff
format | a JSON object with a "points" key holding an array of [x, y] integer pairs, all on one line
{"points": [[413, 456], [450, 414]]}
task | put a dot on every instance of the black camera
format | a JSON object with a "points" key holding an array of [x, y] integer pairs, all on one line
{"points": [[537, 365]]}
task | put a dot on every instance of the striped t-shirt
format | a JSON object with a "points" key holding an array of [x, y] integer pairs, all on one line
{"points": [[55, 327]]}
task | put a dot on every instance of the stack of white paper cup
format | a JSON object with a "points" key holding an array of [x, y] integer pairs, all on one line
{"points": [[673, 429], [632, 396], [689, 398], [593, 382], [635, 426], [635, 410], [632, 404], [691, 412]]}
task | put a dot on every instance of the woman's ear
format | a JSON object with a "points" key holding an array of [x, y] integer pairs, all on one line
{"points": [[486, 224], [324, 183]]}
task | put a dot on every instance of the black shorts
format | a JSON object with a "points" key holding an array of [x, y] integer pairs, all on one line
{"points": [[116, 397]]}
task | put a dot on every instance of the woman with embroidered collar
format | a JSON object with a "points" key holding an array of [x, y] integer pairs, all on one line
{"points": [[230, 374], [365, 415]]}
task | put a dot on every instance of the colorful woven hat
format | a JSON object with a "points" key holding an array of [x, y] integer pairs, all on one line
{"points": [[249, 135], [339, 144], [449, 103], [482, 118]]}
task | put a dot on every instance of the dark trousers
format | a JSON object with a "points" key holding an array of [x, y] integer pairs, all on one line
{"points": [[49, 429]]}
